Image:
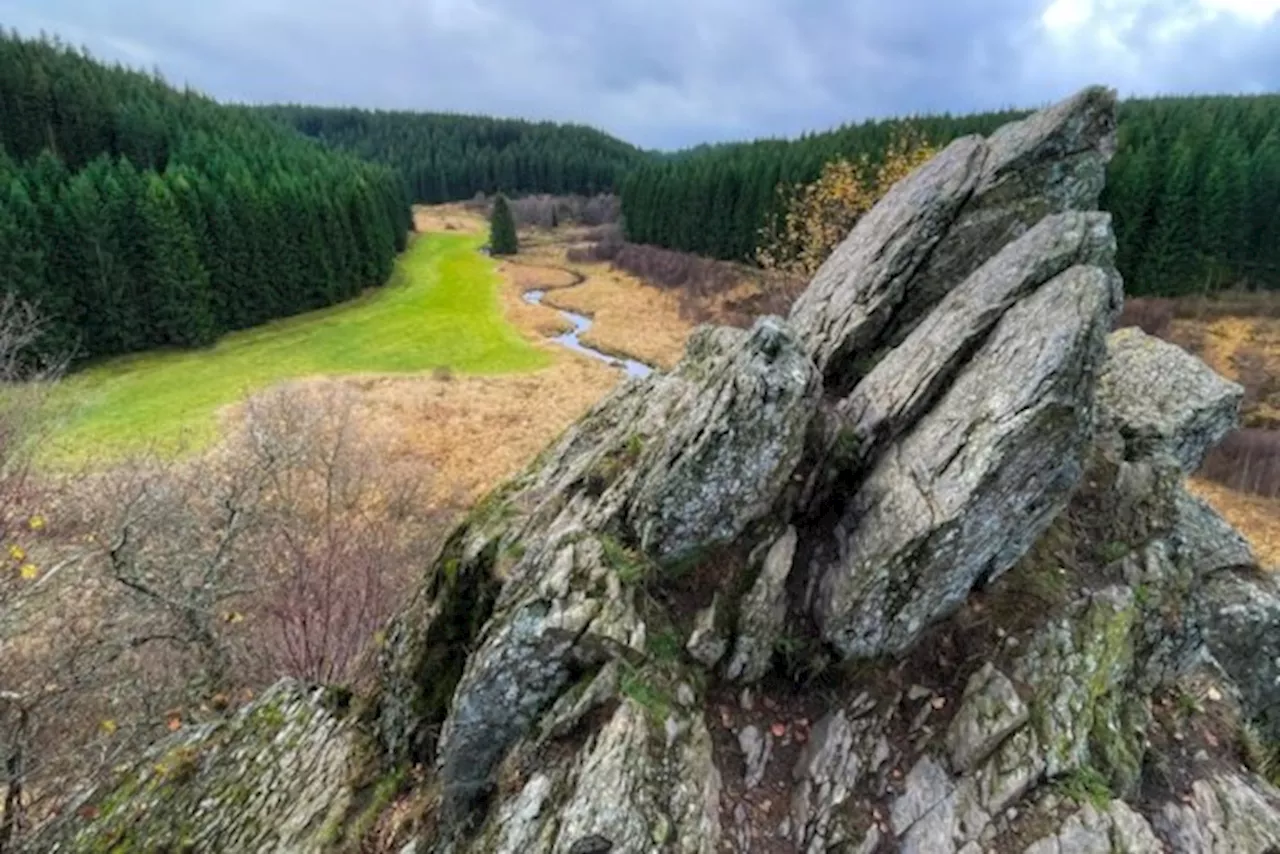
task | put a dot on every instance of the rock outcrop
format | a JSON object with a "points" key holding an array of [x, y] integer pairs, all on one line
{"points": [[912, 570]]}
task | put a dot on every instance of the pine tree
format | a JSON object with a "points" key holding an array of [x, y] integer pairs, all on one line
{"points": [[1171, 264], [502, 229]]}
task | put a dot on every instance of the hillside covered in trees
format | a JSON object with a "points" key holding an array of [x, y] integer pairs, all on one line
{"points": [[139, 216], [1194, 188], [446, 157]]}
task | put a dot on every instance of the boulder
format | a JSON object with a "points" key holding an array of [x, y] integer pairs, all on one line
{"points": [[990, 711], [1162, 399], [846, 309], [629, 789], [1238, 615]]}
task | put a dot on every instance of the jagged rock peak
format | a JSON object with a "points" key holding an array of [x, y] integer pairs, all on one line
{"points": [[940, 223]]}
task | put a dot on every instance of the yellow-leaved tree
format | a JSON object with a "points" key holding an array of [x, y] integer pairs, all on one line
{"points": [[815, 217]]}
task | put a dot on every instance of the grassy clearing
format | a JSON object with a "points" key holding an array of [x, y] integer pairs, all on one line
{"points": [[440, 310]]}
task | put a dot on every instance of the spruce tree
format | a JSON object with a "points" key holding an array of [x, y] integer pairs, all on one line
{"points": [[502, 229]]}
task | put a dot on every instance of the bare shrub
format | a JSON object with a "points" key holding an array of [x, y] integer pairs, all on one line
{"points": [[24, 382], [345, 532], [169, 591], [706, 286], [1233, 302], [602, 209], [547, 211], [607, 244], [671, 269], [1248, 460], [1152, 315]]}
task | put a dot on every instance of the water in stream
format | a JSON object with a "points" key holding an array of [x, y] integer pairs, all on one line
{"points": [[580, 325]]}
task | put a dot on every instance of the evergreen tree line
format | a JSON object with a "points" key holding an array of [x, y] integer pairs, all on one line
{"points": [[1194, 188], [139, 216], [445, 157]]}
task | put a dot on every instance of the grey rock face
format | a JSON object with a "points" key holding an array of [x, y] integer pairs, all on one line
{"points": [[1161, 399], [939, 224], [1052, 161], [679, 463], [1225, 814], [1240, 624], [284, 761], [851, 300], [627, 790], [729, 445], [756, 747], [1080, 665], [990, 711], [1207, 541], [1115, 830], [525, 659], [932, 519], [707, 643], [763, 612], [911, 376]]}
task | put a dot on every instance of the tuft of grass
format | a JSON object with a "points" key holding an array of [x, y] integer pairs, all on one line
{"points": [[643, 688], [665, 646], [440, 311], [1189, 703], [1259, 754], [630, 565], [1086, 785]]}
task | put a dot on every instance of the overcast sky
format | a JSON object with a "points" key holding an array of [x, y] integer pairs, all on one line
{"points": [[670, 73]]}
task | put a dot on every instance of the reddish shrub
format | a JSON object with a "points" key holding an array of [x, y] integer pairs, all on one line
{"points": [[1248, 460], [1152, 315]]}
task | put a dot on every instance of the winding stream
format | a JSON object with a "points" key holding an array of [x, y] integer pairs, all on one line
{"points": [[581, 324]]}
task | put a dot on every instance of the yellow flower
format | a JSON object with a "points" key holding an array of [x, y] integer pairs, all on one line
{"points": [[36, 522], [109, 727], [16, 552], [28, 571]]}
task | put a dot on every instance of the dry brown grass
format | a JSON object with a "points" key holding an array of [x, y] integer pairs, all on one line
{"points": [[1244, 348], [536, 321], [474, 432], [628, 316], [1258, 518], [450, 217]]}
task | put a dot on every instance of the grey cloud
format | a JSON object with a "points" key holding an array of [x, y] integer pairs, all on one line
{"points": [[666, 73]]}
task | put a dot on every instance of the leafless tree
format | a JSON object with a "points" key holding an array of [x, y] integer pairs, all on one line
{"points": [[169, 590], [24, 380]]}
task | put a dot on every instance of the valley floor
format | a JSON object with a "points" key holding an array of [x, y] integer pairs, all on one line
{"points": [[452, 373], [449, 370]]}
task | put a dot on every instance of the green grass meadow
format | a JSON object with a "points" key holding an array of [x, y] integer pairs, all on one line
{"points": [[441, 309]]}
